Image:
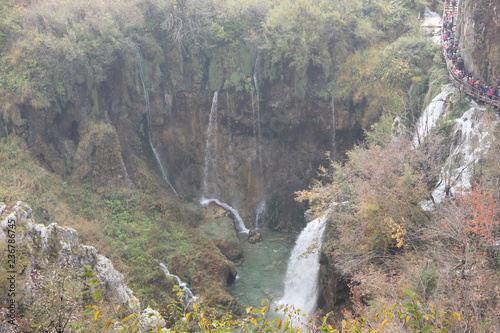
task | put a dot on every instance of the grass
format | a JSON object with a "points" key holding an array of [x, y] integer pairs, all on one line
{"points": [[129, 226]]}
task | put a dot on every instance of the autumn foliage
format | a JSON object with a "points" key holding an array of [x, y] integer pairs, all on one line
{"points": [[480, 221]]}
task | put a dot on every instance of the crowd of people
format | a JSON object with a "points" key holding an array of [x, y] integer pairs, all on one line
{"points": [[456, 63]]}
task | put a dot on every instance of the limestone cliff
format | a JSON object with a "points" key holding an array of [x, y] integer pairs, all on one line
{"points": [[40, 248], [478, 29]]}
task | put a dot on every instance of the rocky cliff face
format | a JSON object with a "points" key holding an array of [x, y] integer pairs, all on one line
{"points": [[38, 247], [270, 137], [479, 30]]}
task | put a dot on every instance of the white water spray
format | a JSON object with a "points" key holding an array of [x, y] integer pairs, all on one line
{"points": [[301, 282], [470, 141], [187, 295], [240, 225], [432, 23], [430, 116], [259, 212]]}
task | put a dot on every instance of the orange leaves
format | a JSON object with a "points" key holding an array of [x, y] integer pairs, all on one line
{"points": [[481, 216]]}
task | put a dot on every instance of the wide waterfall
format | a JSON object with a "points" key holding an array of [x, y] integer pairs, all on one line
{"points": [[187, 295], [301, 282], [470, 140]]}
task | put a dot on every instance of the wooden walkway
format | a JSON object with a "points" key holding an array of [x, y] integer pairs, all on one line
{"points": [[464, 87]]}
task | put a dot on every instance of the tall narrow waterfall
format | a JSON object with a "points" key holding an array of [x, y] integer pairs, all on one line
{"points": [[187, 295], [301, 282], [150, 134], [258, 137], [470, 141], [259, 213], [210, 168], [210, 188], [334, 128]]}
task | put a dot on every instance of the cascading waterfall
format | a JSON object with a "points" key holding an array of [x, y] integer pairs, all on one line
{"points": [[210, 189], [470, 141], [240, 225], [187, 295], [432, 23], [148, 112], [211, 156], [430, 116], [301, 282]]}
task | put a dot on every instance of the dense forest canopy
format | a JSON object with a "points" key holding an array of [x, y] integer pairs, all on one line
{"points": [[49, 46]]}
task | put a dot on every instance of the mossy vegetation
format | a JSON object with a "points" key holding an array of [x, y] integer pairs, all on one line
{"points": [[119, 222]]}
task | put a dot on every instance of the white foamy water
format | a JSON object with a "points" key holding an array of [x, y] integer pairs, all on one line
{"points": [[240, 225], [301, 282], [429, 118], [470, 140]]}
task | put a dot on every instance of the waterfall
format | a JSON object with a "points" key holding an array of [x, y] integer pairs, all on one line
{"points": [[240, 225], [211, 156], [210, 177], [301, 282], [470, 141], [334, 124], [432, 22], [160, 165], [259, 212], [148, 112], [430, 116], [187, 295], [257, 94]]}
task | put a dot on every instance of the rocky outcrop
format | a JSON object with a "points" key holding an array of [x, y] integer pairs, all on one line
{"points": [[44, 246], [478, 30], [334, 288]]}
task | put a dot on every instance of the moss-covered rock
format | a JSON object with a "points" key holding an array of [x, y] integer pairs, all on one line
{"points": [[221, 231]]}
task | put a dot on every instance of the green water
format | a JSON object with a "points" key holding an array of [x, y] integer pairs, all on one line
{"points": [[262, 273]]}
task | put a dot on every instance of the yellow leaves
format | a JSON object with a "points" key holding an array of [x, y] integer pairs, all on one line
{"points": [[455, 316], [133, 315], [253, 321], [108, 323], [398, 231]]}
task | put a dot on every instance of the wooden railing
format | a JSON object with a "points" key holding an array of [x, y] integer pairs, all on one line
{"points": [[465, 87]]}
